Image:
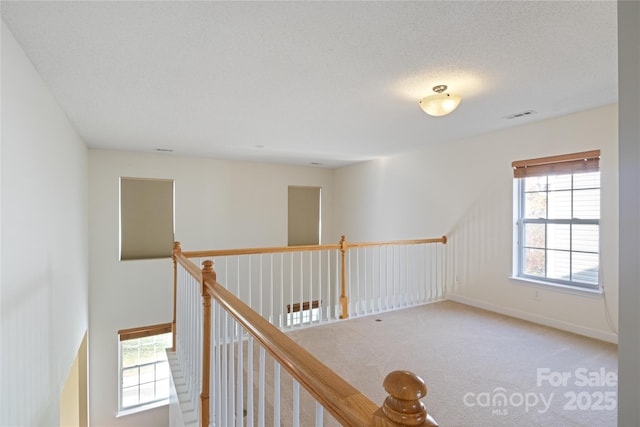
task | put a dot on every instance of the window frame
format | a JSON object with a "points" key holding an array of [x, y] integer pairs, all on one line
{"points": [[521, 240], [572, 165], [134, 334]]}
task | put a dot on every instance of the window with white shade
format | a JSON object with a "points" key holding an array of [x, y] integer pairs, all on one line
{"points": [[146, 218], [304, 207], [558, 220]]}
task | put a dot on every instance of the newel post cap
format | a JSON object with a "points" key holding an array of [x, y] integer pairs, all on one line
{"points": [[176, 248], [207, 267], [403, 406], [405, 385]]}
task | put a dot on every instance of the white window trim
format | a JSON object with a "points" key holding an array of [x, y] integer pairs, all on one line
{"points": [[557, 287], [141, 408]]}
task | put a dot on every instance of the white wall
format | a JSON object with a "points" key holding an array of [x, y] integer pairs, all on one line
{"points": [[44, 284], [464, 189], [219, 204]]}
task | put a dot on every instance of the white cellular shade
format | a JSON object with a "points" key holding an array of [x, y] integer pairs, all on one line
{"points": [[304, 216], [146, 218]]}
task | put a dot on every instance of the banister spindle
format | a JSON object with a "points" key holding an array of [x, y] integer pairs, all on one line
{"points": [[403, 406], [207, 274], [177, 249], [344, 310]]}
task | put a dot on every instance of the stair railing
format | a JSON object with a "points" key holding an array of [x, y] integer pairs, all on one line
{"points": [[222, 343], [234, 375]]}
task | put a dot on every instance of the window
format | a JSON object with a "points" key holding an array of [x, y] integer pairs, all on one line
{"points": [[304, 216], [558, 219], [299, 314], [146, 218], [144, 370]]}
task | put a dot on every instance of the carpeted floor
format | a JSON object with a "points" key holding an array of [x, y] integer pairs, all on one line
{"points": [[481, 369]]}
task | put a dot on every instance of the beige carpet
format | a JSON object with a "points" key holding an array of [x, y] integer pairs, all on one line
{"points": [[481, 368]]}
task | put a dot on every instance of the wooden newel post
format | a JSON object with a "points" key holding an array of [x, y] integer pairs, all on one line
{"points": [[208, 274], [403, 406], [344, 301], [177, 249]]}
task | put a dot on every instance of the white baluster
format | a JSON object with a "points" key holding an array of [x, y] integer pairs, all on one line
{"points": [[261, 396], [296, 404], [283, 319], [232, 370], [260, 288], [276, 394], [290, 312], [301, 283], [250, 382], [216, 327], [240, 379], [319, 415], [224, 393], [249, 283], [271, 288]]}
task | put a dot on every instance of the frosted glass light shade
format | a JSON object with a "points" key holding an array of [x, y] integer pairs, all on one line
{"points": [[440, 104]]}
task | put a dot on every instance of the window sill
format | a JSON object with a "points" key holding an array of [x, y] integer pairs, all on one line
{"points": [[556, 287], [141, 408]]}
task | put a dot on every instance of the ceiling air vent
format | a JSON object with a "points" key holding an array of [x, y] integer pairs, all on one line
{"points": [[518, 115]]}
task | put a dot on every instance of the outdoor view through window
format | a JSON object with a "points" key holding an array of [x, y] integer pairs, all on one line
{"points": [[144, 371], [559, 218]]}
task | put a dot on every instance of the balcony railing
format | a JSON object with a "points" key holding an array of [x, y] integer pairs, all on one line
{"points": [[238, 366]]}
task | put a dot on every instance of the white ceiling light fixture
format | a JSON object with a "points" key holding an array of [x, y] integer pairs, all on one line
{"points": [[441, 103]]}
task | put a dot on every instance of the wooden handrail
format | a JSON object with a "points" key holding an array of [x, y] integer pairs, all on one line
{"points": [[189, 266], [306, 248], [252, 251], [442, 239]]}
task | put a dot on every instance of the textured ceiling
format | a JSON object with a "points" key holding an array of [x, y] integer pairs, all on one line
{"points": [[312, 82]]}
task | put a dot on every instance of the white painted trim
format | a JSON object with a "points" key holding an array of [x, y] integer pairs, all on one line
{"points": [[536, 318], [558, 287]]}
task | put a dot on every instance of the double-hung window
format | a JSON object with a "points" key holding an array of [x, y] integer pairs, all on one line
{"points": [[558, 219], [144, 370]]}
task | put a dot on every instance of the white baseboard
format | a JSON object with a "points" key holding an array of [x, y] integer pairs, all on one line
{"points": [[535, 318]]}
